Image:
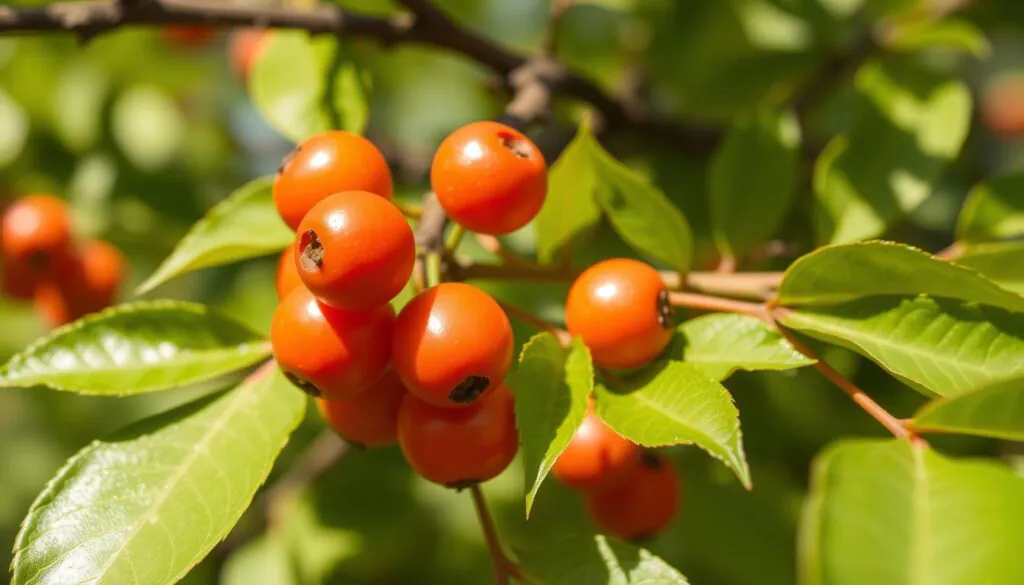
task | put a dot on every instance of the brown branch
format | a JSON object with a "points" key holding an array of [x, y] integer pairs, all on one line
{"points": [[549, 39], [504, 568], [712, 303], [877, 411], [428, 26], [563, 336]]}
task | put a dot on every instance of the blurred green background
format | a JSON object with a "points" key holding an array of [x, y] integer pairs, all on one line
{"points": [[142, 135]]}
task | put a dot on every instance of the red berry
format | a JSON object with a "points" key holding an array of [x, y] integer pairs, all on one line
{"points": [[620, 309], [327, 351], [325, 164], [459, 447], [452, 345], [287, 278], [489, 177], [355, 250], [36, 234], [189, 36], [85, 280], [245, 47], [367, 419], [642, 505], [596, 457]]}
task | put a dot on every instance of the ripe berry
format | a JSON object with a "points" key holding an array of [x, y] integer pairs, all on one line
{"points": [[327, 351], [355, 250], [325, 164], [86, 280], [620, 309], [36, 233], [1002, 108], [596, 457], [367, 419], [642, 505], [452, 345], [287, 277], [459, 447], [489, 177]]}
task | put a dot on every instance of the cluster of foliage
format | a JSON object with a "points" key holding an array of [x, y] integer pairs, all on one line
{"points": [[812, 490]]}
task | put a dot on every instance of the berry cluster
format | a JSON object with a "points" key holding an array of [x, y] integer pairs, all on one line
{"points": [[431, 378], [42, 261]]}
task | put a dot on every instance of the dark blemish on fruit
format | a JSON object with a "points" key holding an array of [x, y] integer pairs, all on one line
{"points": [[469, 389], [304, 385], [288, 158], [518, 146], [311, 256], [651, 460], [666, 315], [462, 484]]}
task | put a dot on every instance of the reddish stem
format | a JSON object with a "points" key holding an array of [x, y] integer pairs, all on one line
{"points": [[563, 336], [711, 303], [504, 568]]}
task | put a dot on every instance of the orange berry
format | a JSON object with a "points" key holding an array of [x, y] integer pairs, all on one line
{"points": [[245, 46], [489, 177], [287, 278], [596, 457], [642, 504], [327, 351], [355, 250], [452, 345], [459, 447], [36, 233], [367, 419], [620, 309], [325, 164]]}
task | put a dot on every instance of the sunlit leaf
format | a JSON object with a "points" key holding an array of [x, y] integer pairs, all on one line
{"points": [[940, 33], [888, 511], [940, 347], [834, 274], [993, 411], [722, 343], [1002, 263], [303, 85], [149, 503], [597, 560], [675, 403], [552, 386], [136, 348], [909, 124], [244, 225], [570, 205]]}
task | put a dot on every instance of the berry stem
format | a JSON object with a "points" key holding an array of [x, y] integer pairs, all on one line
{"points": [[504, 568], [409, 210], [325, 450], [529, 318], [894, 425], [454, 238], [712, 303], [433, 269]]}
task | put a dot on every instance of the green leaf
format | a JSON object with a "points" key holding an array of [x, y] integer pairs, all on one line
{"points": [[753, 179], [304, 85], [1002, 263], [244, 225], [262, 560], [641, 214], [570, 206], [898, 513], [596, 560], [993, 411], [14, 129], [149, 503], [148, 126], [993, 210], [676, 403], [834, 274], [136, 348], [552, 387], [909, 124], [940, 347], [722, 343], [945, 33]]}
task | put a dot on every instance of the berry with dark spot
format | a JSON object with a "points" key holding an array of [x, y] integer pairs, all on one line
{"points": [[642, 505], [489, 177], [620, 308], [327, 351], [355, 250], [367, 419], [596, 457], [452, 345]]}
